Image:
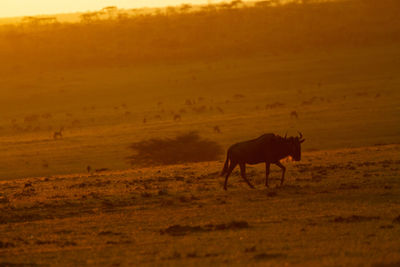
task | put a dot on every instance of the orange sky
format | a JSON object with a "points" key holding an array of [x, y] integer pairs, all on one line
{"points": [[13, 8]]}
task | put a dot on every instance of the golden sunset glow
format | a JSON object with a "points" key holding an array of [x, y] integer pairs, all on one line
{"points": [[13, 8], [210, 133]]}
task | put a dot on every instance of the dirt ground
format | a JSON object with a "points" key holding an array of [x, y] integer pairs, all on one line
{"points": [[337, 207]]}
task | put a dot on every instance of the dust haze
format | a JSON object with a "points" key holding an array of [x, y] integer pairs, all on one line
{"points": [[114, 129]]}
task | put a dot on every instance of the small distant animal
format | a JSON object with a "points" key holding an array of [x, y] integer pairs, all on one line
{"points": [[57, 135], [238, 96], [217, 129], [294, 114], [274, 105], [88, 168], [144, 120], [31, 118], [268, 148], [310, 101], [177, 117], [190, 102], [200, 109]]}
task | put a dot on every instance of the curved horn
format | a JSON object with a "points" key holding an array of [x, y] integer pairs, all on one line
{"points": [[300, 135]]}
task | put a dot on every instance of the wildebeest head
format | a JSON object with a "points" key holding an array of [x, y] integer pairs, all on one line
{"points": [[295, 146]]}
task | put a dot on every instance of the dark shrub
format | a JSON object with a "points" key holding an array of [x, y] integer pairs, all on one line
{"points": [[188, 147]]}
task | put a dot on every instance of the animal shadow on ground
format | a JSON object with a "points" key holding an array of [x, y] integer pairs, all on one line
{"points": [[179, 230]]}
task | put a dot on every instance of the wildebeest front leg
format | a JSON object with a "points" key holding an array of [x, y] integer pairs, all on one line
{"points": [[243, 174], [283, 171], [229, 171], [267, 165]]}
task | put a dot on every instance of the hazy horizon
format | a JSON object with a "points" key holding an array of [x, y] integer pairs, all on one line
{"points": [[20, 8]]}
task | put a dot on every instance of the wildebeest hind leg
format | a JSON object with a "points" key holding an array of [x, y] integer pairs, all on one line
{"points": [[243, 174], [229, 171]]}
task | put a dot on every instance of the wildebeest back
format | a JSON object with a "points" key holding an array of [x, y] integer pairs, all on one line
{"points": [[261, 149]]}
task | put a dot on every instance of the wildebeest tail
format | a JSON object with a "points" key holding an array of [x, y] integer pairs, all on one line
{"points": [[225, 169]]}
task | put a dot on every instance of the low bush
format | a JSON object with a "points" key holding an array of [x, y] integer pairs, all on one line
{"points": [[188, 147]]}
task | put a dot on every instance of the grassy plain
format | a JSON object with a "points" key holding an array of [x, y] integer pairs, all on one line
{"points": [[344, 98], [340, 204], [338, 207]]}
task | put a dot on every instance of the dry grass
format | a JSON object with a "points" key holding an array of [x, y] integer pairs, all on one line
{"points": [[338, 207]]}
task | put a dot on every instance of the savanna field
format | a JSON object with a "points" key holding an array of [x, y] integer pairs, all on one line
{"points": [[75, 98]]}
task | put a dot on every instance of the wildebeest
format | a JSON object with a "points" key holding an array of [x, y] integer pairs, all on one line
{"points": [[268, 148], [294, 114], [58, 134], [217, 129], [177, 117]]}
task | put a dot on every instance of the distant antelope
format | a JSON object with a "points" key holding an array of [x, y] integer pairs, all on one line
{"points": [[294, 114], [31, 118], [177, 117], [217, 129], [58, 134]]}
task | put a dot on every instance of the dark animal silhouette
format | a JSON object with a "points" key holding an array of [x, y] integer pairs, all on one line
{"points": [[217, 129], [294, 114], [58, 134], [268, 148], [177, 117]]}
